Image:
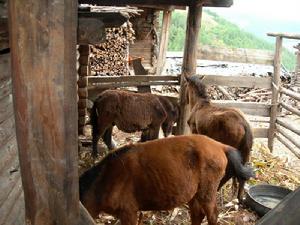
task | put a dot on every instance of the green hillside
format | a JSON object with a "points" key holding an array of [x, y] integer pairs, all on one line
{"points": [[218, 32]]}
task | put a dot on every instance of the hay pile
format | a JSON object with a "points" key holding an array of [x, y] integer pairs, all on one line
{"points": [[270, 169]]}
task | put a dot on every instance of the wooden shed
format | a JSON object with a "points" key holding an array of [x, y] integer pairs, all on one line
{"points": [[43, 124]]}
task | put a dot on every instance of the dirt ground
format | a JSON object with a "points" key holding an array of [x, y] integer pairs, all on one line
{"points": [[280, 168]]}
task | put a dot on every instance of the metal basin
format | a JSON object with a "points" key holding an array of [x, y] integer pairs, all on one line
{"points": [[264, 197]]}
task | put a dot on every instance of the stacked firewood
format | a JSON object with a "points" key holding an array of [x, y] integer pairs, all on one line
{"points": [[111, 57]]}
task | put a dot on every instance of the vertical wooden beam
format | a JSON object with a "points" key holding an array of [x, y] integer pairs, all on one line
{"points": [[189, 64], [43, 48], [275, 91], [297, 69], [83, 71], [164, 38]]}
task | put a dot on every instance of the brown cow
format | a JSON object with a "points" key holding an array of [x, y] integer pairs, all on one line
{"points": [[161, 175], [227, 125]]}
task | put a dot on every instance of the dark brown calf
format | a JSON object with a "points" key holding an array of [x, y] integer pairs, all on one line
{"points": [[131, 112], [160, 175], [227, 125]]}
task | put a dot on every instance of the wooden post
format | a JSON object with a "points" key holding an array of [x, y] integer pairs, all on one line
{"points": [[83, 71], [164, 38], [43, 48], [297, 69], [275, 91], [189, 64]]}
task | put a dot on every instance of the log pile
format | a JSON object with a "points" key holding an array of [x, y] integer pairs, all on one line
{"points": [[111, 57]]}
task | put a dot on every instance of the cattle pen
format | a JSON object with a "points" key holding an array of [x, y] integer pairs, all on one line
{"points": [[44, 80]]}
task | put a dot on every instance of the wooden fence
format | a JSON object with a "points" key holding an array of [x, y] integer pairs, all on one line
{"points": [[275, 127]]}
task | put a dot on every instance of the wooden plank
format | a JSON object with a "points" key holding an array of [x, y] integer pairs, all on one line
{"points": [[288, 126], [290, 93], [259, 132], [139, 70], [251, 108], [135, 84], [225, 93], [237, 81], [108, 19], [285, 35], [167, 15], [144, 43], [288, 136], [136, 78], [287, 144], [211, 3], [44, 84], [162, 7], [290, 108], [189, 64], [237, 55], [275, 91]]}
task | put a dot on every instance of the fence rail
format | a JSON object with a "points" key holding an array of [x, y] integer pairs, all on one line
{"points": [[276, 125], [289, 139]]}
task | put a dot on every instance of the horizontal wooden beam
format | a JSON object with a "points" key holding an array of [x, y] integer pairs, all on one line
{"points": [[259, 132], [288, 136], [287, 144], [285, 35], [109, 19], [240, 55], [136, 84], [237, 81], [290, 93], [230, 81], [210, 3], [288, 126], [136, 78], [290, 108], [251, 108], [162, 7]]}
